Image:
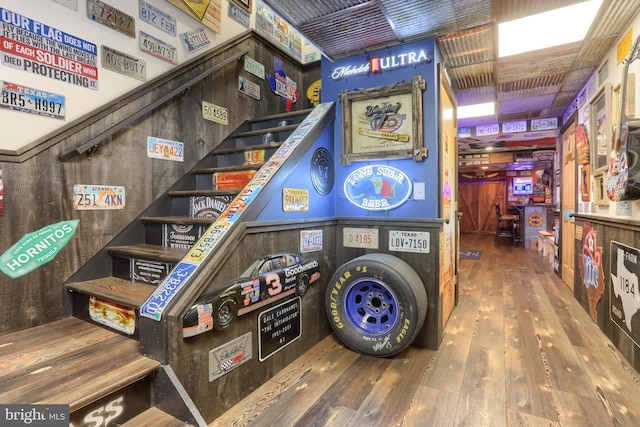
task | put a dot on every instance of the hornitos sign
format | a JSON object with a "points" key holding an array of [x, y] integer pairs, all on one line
{"points": [[37, 248], [382, 63]]}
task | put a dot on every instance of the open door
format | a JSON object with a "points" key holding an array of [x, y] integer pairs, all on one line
{"points": [[568, 203]]}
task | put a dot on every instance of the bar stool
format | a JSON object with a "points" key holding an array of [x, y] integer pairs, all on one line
{"points": [[505, 226]]}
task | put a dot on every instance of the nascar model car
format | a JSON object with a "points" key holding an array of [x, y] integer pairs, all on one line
{"points": [[268, 279]]}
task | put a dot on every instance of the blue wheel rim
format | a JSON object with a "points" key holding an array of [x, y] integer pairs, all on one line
{"points": [[371, 307]]}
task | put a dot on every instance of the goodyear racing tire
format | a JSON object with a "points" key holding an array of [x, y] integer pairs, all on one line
{"points": [[376, 304], [224, 313]]}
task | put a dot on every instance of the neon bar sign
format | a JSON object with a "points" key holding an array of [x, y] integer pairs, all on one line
{"points": [[379, 64]]}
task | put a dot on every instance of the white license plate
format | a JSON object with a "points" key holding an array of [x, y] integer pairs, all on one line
{"points": [[409, 241], [123, 63], [93, 197], [195, 39], [215, 113], [158, 48], [158, 18]]}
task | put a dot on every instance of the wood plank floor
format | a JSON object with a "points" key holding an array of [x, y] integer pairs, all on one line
{"points": [[517, 351]]}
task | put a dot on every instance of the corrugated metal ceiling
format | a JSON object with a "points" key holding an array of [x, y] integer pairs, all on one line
{"points": [[536, 85]]}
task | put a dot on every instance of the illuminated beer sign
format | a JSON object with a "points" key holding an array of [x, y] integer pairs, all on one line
{"points": [[383, 63]]}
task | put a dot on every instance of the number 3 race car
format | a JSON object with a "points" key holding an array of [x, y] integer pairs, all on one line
{"points": [[267, 280]]}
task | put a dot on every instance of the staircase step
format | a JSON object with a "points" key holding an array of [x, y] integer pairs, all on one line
{"points": [[265, 130], [181, 220], [120, 291], [247, 148], [154, 417], [237, 168], [189, 193], [154, 252], [68, 361]]}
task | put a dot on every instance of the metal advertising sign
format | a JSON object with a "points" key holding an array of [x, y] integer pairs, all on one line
{"points": [[377, 187], [37, 248], [249, 88], [198, 7], [111, 17], [151, 272], [625, 295], [158, 148], [194, 39], [34, 101], [181, 235], [228, 356], [98, 197], [215, 113], [158, 18], [158, 48], [279, 326], [123, 63], [208, 206], [39, 49]]}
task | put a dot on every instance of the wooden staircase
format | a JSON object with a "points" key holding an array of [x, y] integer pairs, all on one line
{"points": [[91, 360]]}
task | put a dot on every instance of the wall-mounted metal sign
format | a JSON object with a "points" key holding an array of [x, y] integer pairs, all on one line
{"points": [[377, 187], [123, 63], [278, 327], [194, 39], [111, 17], [158, 18], [158, 48], [34, 101]]}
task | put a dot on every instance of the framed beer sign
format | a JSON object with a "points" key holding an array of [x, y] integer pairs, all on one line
{"points": [[383, 122]]}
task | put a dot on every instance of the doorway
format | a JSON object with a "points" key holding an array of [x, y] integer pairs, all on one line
{"points": [[477, 203], [568, 203]]}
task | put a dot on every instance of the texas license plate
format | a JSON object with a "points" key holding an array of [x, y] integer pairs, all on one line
{"points": [[409, 241], [29, 100], [158, 48]]}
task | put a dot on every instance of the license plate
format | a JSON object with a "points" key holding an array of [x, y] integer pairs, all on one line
{"points": [[194, 39], [123, 63], [158, 48], [409, 241], [111, 17], [29, 100], [94, 197], [158, 18], [215, 113]]}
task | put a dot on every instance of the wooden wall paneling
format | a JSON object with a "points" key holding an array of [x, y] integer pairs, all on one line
{"points": [[190, 357], [39, 190]]}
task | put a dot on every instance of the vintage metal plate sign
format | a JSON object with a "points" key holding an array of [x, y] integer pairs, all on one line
{"points": [[37, 248], [158, 48], [409, 241], [254, 67], [295, 199], [97, 197], [113, 18], [158, 18], [215, 113], [158, 148], [229, 356], [195, 39], [310, 241], [29, 100], [249, 88], [360, 238], [624, 292], [71, 4], [123, 63], [278, 327], [377, 187]]}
